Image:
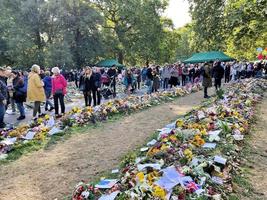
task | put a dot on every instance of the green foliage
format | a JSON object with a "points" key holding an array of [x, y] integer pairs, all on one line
{"points": [[237, 27]]}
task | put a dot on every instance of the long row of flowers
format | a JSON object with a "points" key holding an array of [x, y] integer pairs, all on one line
{"points": [[192, 158], [41, 129]]}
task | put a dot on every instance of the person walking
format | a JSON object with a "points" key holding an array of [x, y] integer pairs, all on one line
{"points": [[218, 73], [20, 94], [3, 97], [207, 79], [87, 84], [59, 90], [48, 91], [35, 90]]}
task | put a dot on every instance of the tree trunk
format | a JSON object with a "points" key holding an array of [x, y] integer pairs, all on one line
{"points": [[120, 57]]}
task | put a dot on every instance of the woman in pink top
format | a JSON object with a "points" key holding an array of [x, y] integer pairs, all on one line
{"points": [[59, 90]]}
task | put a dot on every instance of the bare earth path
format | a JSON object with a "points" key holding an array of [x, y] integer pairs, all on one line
{"points": [[51, 174], [258, 157]]}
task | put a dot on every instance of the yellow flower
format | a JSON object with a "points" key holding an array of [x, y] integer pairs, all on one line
{"points": [[159, 192], [140, 176], [40, 120], [46, 117], [188, 154], [179, 123]]}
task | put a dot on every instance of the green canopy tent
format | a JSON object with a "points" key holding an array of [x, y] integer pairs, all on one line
{"points": [[109, 63], [208, 56]]}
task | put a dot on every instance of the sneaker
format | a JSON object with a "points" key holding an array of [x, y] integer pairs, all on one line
{"points": [[51, 109], [58, 116], [206, 97], [21, 118]]}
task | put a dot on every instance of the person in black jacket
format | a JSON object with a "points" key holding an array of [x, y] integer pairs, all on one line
{"points": [[218, 73], [98, 83], [87, 85], [112, 73], [20, 95], [3, 97], [227, 73]]}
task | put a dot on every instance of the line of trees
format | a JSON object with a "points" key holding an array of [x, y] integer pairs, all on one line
{"points": [[74, 33], [237, 27]]}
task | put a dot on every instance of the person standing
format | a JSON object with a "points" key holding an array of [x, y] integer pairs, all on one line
{"points": [[87, 84], [59, 90], [207, 78], [218, 73], [112, 73], [138, 77], [10, 89], [166, 75], [3, 97], [227, 73], [48, 91], [149, 80], [20, 94], [35, 90], [185, 74], [97, 88]]}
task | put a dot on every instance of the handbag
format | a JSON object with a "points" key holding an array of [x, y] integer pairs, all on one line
{"points": [[82, 87]]}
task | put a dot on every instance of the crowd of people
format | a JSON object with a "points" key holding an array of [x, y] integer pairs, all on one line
{"points": [[41, 86]]}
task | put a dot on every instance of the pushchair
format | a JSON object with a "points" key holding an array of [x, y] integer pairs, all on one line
{"points": [[108, 89]]}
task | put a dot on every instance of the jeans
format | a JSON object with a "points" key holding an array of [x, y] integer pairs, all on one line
{"points": [[59, 98], [36, 108], [21, 108], [149, 84], [2, 114], [48, 102], [166, 83], [12, 102]]}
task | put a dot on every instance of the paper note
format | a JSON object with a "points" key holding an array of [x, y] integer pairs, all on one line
{"points": [[238, 137], [140, 167], [209, 145], [54, 131], [9, 141], [215, 132], [115, 171], [144, 149], [106, 183], [152, 142], [217, 180], [219, 159], [111, 196], [29, 136]]}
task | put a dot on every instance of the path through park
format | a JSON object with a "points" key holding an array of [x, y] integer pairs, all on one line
{"points": [[51, 174]]}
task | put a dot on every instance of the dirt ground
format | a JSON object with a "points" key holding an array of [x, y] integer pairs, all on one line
{"points": [[52, 174], [258, 156]]}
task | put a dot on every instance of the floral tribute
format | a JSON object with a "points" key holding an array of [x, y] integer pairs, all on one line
{"points": [[193, 158], [44, 127]]}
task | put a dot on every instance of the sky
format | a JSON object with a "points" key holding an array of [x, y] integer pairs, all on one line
{"points": [[178, 11]]}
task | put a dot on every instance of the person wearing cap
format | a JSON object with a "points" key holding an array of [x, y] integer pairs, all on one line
{"points": [[35, 90], [3, 97], [59, 90]]}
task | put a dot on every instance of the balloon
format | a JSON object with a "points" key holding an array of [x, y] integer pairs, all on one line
{"points": [[259, 49]]}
